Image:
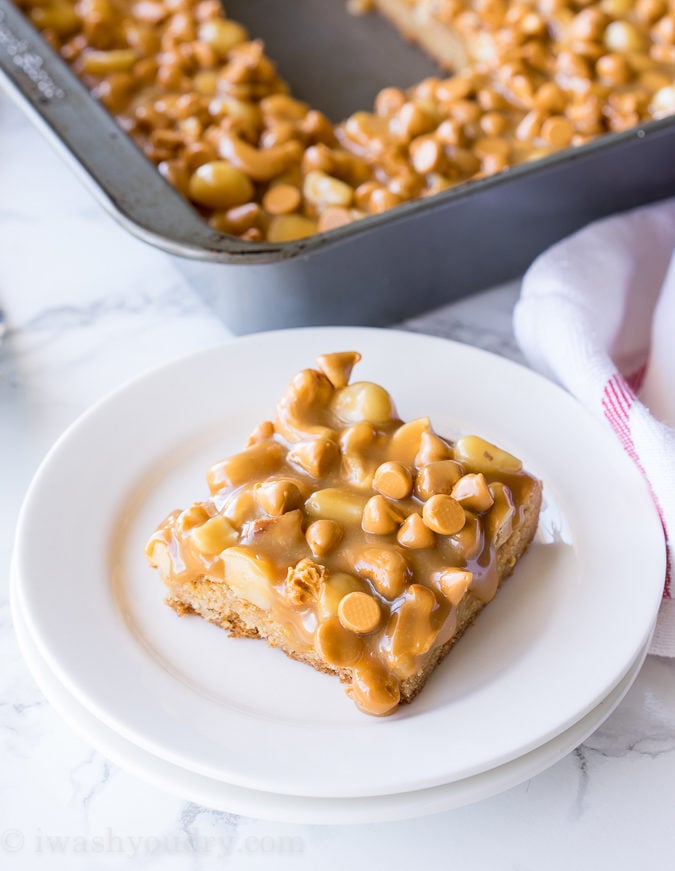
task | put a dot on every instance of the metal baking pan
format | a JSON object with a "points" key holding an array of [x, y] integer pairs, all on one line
{"points": [[378, 270]]}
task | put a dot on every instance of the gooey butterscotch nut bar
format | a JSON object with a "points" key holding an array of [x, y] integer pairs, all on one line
{"points": [[359, 544]]}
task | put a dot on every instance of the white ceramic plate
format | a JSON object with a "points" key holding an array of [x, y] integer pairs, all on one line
{"points": [[550, 648], [296, 809]]}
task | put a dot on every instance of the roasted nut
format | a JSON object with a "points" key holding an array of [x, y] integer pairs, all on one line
{"points": [[443, 514], [374, 689], [335, 503], [240, 506], [259, 164], [284, 107], [316, 457], [270, 534], [323, 536], [380, 517], [219, 185], [359, 613], [427, 155], [336, 645], [431, 449], [435, 478], [363, 401], [405, 442], [387, 569], [222, 35], [338, 367], [663, 102], [214, 536], [288, 228], [499, 519], [355, 439], [454, 583], [304, 582], [622, 36], [472, 492], [336, 216], [248, 574], [196, 515], [412, 630], [482, 456], [278, 497], [393, 480], [357, 471], [101, 63], [414, 534], [255, 462]]}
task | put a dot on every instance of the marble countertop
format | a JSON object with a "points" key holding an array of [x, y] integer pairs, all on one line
{"points": [[86, 307]]}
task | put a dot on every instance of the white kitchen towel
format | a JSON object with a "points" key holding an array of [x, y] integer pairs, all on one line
{"points": [[597, 314]]}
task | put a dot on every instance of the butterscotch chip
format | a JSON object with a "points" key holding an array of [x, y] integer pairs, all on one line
{"points": [[435, 478], [393, 480], [414, 534], [380, 517], [359, 612], [443, 514], [375, 689], [323, 536], [431, 449], [316, 457], [337, 645], [282, 199], [338, 367], [278, 497]]}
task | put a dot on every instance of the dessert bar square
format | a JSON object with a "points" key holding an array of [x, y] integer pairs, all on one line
{"points": [[357, 543]]}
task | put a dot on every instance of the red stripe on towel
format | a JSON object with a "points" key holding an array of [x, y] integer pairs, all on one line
{"points": [[617, 401]]}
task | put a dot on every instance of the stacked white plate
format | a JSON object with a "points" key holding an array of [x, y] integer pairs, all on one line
{"points": [[237, 726]]}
